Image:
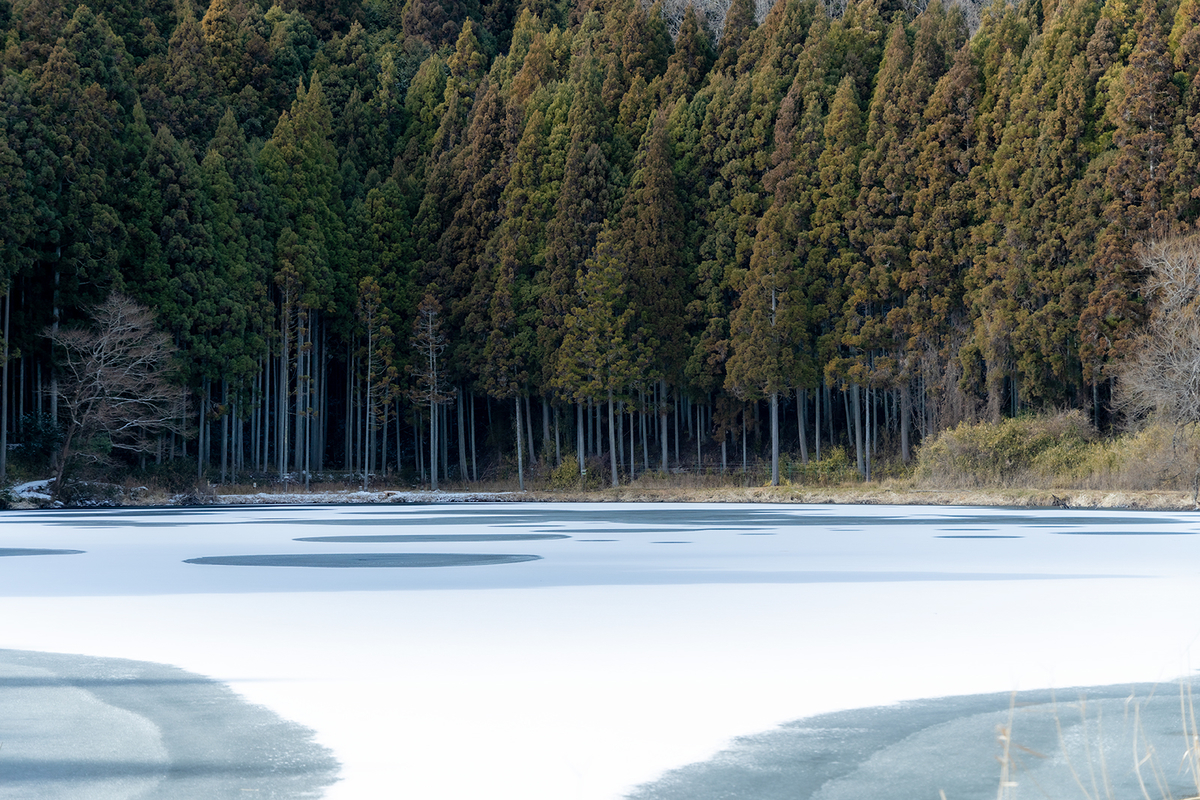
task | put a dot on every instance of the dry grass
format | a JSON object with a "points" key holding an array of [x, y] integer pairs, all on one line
{"points": [[1036, 461]]}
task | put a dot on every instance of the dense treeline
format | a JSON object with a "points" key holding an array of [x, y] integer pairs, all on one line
{"points": [[368, 225]]}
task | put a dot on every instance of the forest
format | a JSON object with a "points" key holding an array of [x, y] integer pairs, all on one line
{"points": [[459, 238]]}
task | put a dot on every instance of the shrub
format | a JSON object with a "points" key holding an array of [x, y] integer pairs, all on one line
{"points": [[833, 468], [1026, 448]]}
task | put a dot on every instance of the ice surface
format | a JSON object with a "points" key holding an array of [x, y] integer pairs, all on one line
{"points": [[81, 728], [615, 657]]}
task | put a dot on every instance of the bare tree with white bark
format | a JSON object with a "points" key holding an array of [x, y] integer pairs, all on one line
{"points": [[1161, 377], [116, 387]]}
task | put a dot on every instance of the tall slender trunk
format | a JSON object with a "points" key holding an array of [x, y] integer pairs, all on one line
{"points": [[265, 453], [462, 435], [801, 419], [444, 438], [4, 390], [621, 433], [520, 457], [589, 441], [676, 409], [281, 420], [433, 445], [856, 404], [55, 315], [774, 438], [632, 454], [828, 410], [224, 430], [416, 429], [643, 432], [529, 429], [474, 468], [817, 421], [869, 422], [743, 440], [579, 440], [399, 447], [368, 423], [662, 424], [383, 434], [612, 441], [905, 423]]}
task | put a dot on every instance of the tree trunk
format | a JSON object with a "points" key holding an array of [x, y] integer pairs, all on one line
{"points": [[774, 438], [383, 439], [4, 390], [399, 443], [55, 315], [632, 453], [858, 431], [520, 456], [433, 445], [612, 441], [801, 419], [662, 424], [474, 466], [579, 441], [743, 440], [281, 422], [444, 438], [529, 429], [368, 426], [642, 425], [677, 405], [462, 436], [224, 431], [905, 423], [621, 433]]}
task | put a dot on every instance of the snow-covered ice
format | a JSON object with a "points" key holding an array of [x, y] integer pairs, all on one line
{"points": [[642, 639]]}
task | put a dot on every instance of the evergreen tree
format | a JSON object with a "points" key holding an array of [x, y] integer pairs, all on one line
{"points": [[599, 355]]}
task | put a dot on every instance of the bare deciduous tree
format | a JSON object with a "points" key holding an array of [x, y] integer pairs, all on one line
{"points": [[116, 387], [1161, 377]]}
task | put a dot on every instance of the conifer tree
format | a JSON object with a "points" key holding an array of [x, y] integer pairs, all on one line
{"points": [[428, 343], [580, 209], [1137, 184], [302, 166], [739, 23], [599, 356]]}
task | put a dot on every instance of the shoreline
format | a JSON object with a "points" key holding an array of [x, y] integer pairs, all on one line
{"points": [[885, 493]]}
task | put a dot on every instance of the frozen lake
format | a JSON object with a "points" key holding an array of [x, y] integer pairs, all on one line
{"points": [[554, 651]]}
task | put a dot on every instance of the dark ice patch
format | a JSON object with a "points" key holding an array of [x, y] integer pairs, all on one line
{"points": [[437, 537], [979, 536], [352, 560], [36, 551], [1123, 533]]}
